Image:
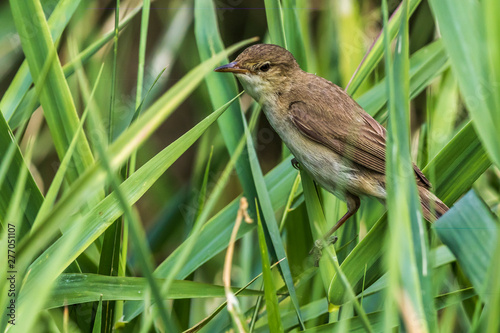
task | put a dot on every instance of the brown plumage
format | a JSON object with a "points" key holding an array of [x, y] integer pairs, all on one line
{"points": [[332, 137]]}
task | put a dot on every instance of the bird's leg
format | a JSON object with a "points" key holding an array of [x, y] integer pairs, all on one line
{"points": [[295, 163], [353, 204]]}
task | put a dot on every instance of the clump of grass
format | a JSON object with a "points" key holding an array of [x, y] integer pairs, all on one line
{"points": [[118, 137]]}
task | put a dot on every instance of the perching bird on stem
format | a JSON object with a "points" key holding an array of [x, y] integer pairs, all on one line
{"points": [[340, 145]]}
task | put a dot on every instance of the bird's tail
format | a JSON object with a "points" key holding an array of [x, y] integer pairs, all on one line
{"points": [[432, 207]]}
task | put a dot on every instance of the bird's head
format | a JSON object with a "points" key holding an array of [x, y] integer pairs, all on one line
{"points": [[263, 69]]}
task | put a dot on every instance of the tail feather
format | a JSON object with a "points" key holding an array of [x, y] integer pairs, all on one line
{"points": [[432, 207]]}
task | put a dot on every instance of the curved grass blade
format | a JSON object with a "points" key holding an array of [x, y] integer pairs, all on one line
{"points": [[264, 199], [11, 166], [376, 51], [407, 254], [134, 187], [463, 33], [275, 25], [22, 80], [118, 152], [273, 313], [188, 245], [98, 316], [55, 96], [82, 288], [25, 100], [470, 231], [455, 169], [222, 88]]}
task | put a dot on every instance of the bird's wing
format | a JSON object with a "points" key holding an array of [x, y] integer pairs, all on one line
{"points": [[351, 133], [354, 139]]}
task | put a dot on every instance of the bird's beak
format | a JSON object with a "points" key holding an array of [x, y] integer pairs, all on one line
{"points": [[232, 67]]}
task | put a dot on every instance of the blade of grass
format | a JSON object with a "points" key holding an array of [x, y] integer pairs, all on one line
{"points": [[221, 88], [55, 96], [57, 182], [109, 261], [272, 228], [463, 33], [293, 31], [316, 218], [22, 80], [26, 100], [82, 288], [470, 231], [275, 25], [11, 167], [273, 313], [111, 115], [407, 254], [134, 187], [118, 152], [376, 51]]}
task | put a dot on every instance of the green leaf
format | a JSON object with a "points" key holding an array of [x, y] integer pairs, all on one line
{"points": [[275, 25], [470, 231], [98, 317], [425, 65], [22, 80], [22, 99], [374, 54], [407, 254], [118, 152], [101, 216], [455, 169], [273, 313], [55, 96], [82, 288], [463, 33], [264, 199], [10, 167], [293, 31], [317, 221]]}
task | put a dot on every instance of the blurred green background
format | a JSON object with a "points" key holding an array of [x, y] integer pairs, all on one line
{"points": [[122, 167]]}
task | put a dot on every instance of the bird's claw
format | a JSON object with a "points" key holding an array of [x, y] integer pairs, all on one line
{"points": [[295, 163], [317, 250]]}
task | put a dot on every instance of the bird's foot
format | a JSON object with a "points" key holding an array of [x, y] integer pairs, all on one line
{"points": [[295, 163], [317, 250]]}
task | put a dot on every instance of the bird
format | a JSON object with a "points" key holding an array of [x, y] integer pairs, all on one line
{"points": [[338, 143]]}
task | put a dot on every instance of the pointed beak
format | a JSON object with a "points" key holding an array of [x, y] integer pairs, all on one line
{"points": [[232, 67]]}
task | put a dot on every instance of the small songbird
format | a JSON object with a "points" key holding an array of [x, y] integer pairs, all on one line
{"points": [[340, 145]]}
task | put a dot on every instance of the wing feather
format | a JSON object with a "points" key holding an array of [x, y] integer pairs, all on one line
{"points": [[352, 134]]}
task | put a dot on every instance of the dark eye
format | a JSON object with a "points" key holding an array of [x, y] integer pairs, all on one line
{"points": [[265, 67]]}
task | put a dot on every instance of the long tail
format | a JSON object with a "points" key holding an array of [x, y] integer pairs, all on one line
{"points": [[432, 207]]}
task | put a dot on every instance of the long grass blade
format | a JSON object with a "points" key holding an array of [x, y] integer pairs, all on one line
{"points": [[55, 96]]}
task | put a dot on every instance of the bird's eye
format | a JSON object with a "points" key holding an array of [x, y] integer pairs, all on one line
{"points": [[265, 67]]}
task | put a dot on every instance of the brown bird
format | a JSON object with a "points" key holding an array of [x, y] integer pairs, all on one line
{"points": [[340, 145]]}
